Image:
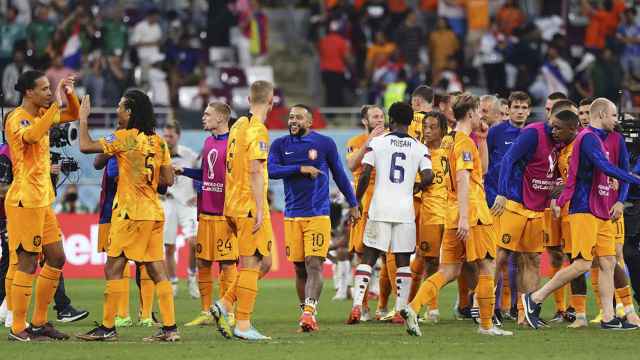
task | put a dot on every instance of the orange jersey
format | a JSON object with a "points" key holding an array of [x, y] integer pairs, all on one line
{"points": [[31, 163], [464, 155], [564, 156], [248, 140], [354, 145], [434, 197], [140, 157], [415, 128]]}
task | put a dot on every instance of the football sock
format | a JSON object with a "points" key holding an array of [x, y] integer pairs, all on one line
{"points": [[310, 305], [46, 285], [558, 295], [112, 293], [463, 292], [520, 308], [230, 294], [8, 282], [428, 290], [123, 302], [205, 285], [579, 302], [403, 286], [165, 302], [385, 287], [363, 275], [595, 286], [486, 299], [343, 268], [417, 270], [21, 294], [147, 289], [247, 291], [625, 299], [392, 270], [506, 291]]}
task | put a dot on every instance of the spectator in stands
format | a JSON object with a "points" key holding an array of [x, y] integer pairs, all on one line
{"points": [[510, 17], [334, 53], [57, 71], [556, 72], [379, 53], [398, 10], [629, 35], [70, 203], [454, 13], [410, 39], [376, 15], [10, 76], [24, 11], [259, 28], [428, 14], [147, 37], [478, 25], [603, 22], [491, 55], [606, 76], [39, 34], [443, 44], [11, 32], [582, 84], [94, 80], [114, 32], [157, 79]]}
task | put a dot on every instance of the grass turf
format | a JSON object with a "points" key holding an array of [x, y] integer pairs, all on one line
{"points": [[276, 315]]}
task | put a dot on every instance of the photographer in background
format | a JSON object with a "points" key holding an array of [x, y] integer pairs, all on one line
{"points": [[70, 202], [631, 249]]}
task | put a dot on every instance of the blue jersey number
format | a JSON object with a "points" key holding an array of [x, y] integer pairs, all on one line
{"points": [[397, 169]]}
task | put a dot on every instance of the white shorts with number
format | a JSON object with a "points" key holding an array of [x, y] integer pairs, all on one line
{"points": [[175, 213], [388, 236]]}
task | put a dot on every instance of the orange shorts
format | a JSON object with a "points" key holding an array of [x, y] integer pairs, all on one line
{"points": [[430, 240], [520, 233], [215, 240], [103, 236], [591, 236], [566, 235], [31, 228], [618, 227], [480, 245], [552, 230], [249, 243], [138, 240], [356, 234], [307, 236]]}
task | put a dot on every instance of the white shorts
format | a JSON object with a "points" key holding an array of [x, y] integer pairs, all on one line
{"points": [[388, 236], [175, 213]]}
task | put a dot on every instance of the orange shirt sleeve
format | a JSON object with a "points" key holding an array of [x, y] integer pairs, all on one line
{"points": [[34, 132], [258, 140], [72, 111], [115, 143], [464, 153]]}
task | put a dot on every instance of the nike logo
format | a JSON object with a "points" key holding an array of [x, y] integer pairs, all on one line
{"points": [[508, 142], [616, 326], [288, 152]]}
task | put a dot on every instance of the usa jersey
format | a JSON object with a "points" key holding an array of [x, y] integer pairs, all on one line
{"points": [[397, 158]]}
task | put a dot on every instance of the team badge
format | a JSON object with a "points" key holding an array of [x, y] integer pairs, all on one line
{"points": [[506, 238], [263, 146], [466, 156], [545, 238], [109, 139], [424, 246], [199, 248], [24, 123], [313, 154], [287, 251], [37, 240]]}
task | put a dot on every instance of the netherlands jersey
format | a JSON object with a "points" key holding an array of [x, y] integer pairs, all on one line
{"points": [[397, 159]]}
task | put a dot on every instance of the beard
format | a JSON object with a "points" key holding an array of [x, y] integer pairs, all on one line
{"points": [[301, 132]]}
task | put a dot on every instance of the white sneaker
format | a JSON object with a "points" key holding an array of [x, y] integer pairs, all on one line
{"points": [[8, 321], [340, 295], [193, 286], [494, 331], [3, 311], [411, 321]]}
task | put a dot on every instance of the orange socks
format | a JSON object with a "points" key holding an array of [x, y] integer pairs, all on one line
{"points": [[230, 295], [112, 293], [417, 271], [21, 290], [46, 286], [579, 303], [506, 290], [486, 300], [228, 276], [428, 290], [247, 291], [8, 282], [165, 302], [558, 295], [625, 298], [205, 285], [463, 292], [147, 289], [595, 286], [521, 318], [385, 287], [123, 301], [392, 269]]}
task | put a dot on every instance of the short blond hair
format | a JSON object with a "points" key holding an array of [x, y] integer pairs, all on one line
{"points": [[261, 92], [221, 108]]}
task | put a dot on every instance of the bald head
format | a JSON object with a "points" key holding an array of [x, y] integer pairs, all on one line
{"points": [[603, 114]]}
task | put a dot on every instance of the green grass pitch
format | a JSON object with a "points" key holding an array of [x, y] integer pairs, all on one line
{"points": [[276, 315]]}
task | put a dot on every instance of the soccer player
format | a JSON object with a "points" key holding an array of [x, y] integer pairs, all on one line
{"points": [[551, 99], [468, 235], [247, 210], [433, 207], [302, 160], [397, 159], [180, 209], [490, 109], [32, 226], [216, 241], [421, 103], [372, 117], [588, 190], [144, 164], [583, 111]]}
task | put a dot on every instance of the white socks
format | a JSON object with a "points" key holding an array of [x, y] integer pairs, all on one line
{"points": [[403, 283], [362, 280]]}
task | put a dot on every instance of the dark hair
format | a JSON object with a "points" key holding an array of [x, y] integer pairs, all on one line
{"points": [[568, 116], [586, 101], [439, 98], [364, 110], [562, 104], [425, 92], [401, 113], [519, 96], [173, 125], [557, 96], [443, 122], [306, 107], [142, 115], [464, 103], [27, 81]]}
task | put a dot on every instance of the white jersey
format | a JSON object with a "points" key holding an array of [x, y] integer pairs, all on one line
{"points": [[182, 190], [397, 159]]}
